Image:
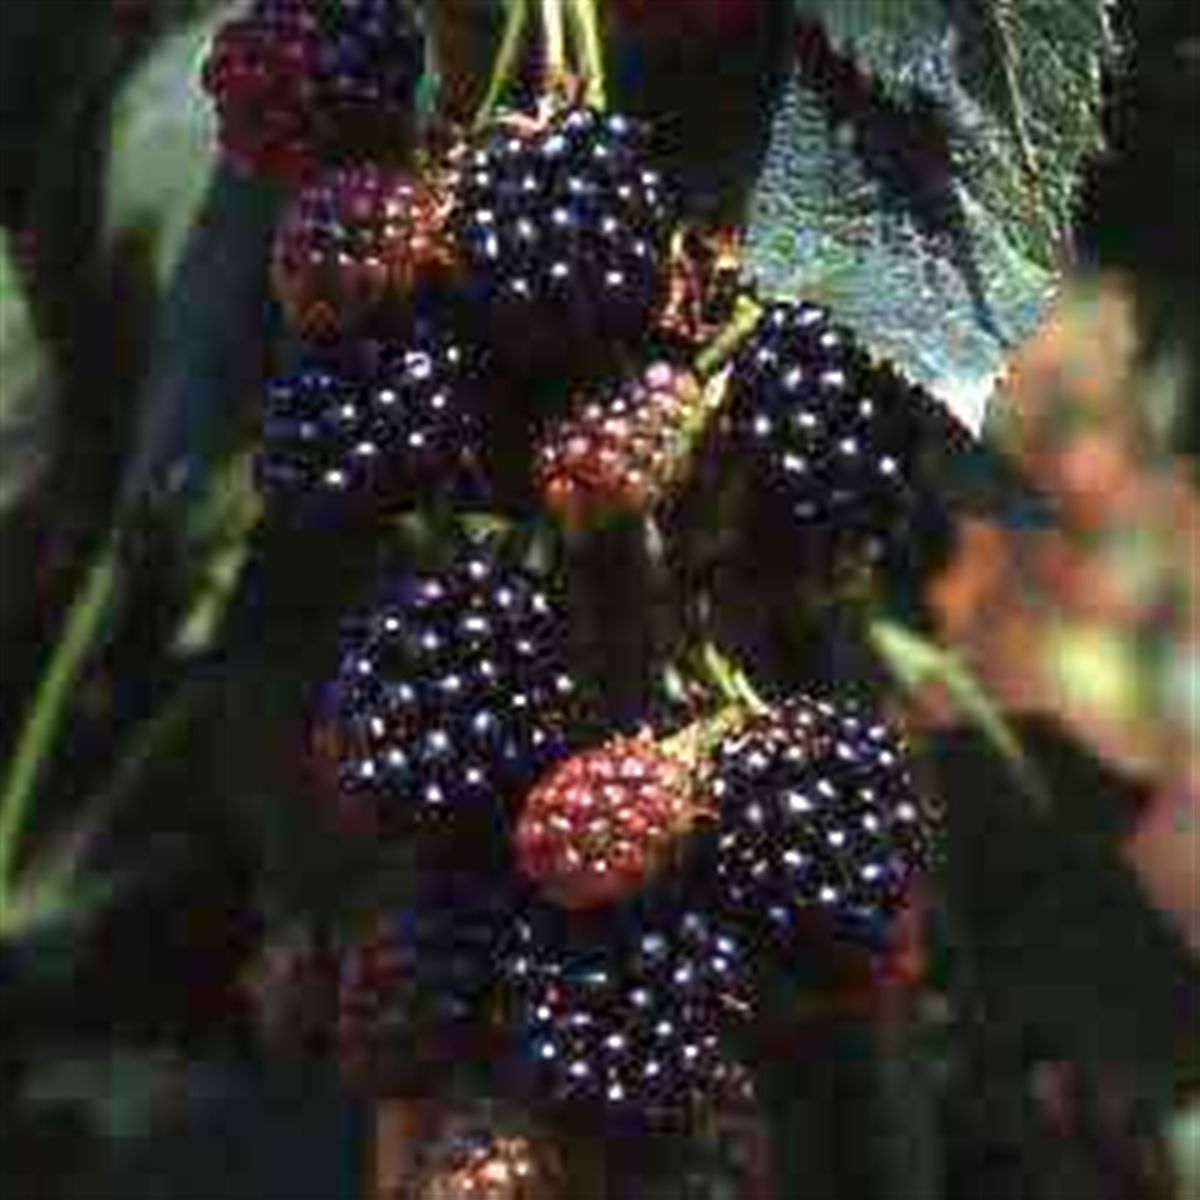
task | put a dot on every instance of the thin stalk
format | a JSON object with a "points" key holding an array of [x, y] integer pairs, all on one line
{"points": [[515, 21], [85, 624], [725, 345], [555, 43], [731, 680], [585, 25]]}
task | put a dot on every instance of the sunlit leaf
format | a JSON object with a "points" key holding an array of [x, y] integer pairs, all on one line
{"points": [[163, 145], [922, 171]]}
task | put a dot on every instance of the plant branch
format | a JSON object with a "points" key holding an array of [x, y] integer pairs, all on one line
{"points": [[83, 628], [585, 25]]}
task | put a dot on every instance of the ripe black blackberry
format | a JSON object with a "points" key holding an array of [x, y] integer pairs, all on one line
{"points": [[451, 697], [371, 56], [373, 424], [562, 232], [818, 814], [416, 985], [626, 1014], [831, 442]]}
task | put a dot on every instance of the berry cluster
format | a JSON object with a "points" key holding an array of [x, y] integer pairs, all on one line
{"points": [[298, 83], [562, 230], [597, 826], [451, 697], [539, 260], [354, 241], [830, 439], [631, 1020], [372, 425], [817, 811], [626, 455]]}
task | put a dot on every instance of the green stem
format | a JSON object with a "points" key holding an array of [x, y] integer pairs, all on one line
{"points": [[555, 42], [515, 22], [725, 345], [85, 624], [731, 680], [585, 23]]}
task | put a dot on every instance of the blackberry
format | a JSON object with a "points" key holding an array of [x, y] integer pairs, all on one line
{"points": [[817, 813], [372, 425], [371, 58], [416, 985], [297, 83], [830, 441], [624, 456], [562, 233], [261, 74], [628, 1016], [451, 698], [481, 1158], [352, 241], [599, 824]]}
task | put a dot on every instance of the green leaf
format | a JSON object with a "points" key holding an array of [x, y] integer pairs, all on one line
{"points": [[163, 144], [930, 201], [917, 663], [892, 40], [1017, 83], [25, 412], [946, 302]]}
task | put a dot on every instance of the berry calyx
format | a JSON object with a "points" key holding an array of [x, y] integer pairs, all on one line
{"points": [[371, 425], [817, 813], [626, 455], [602, 822], [628, 1017], [562, 232], [451, 697], [354, 240], [830, 442]]}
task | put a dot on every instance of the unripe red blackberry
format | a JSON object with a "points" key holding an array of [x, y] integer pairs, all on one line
{"points": [[417, 983], [354, 240], [829, 442], [628, 1016], [363, 427], [626, 455], [599, 824], [451, 697], [261, 74], [298, 83], [562, 232], [817, 813]]}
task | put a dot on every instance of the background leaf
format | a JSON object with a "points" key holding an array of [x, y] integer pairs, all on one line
{"points": [[163, 145], [25, 410], [920, 175]]}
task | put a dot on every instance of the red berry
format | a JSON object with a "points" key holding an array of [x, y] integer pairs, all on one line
{"points": [[260, 73], [598, 825], [354, 239], [624, 456]]}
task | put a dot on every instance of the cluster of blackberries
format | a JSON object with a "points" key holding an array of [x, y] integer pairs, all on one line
{"points": [[540, 251]]}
